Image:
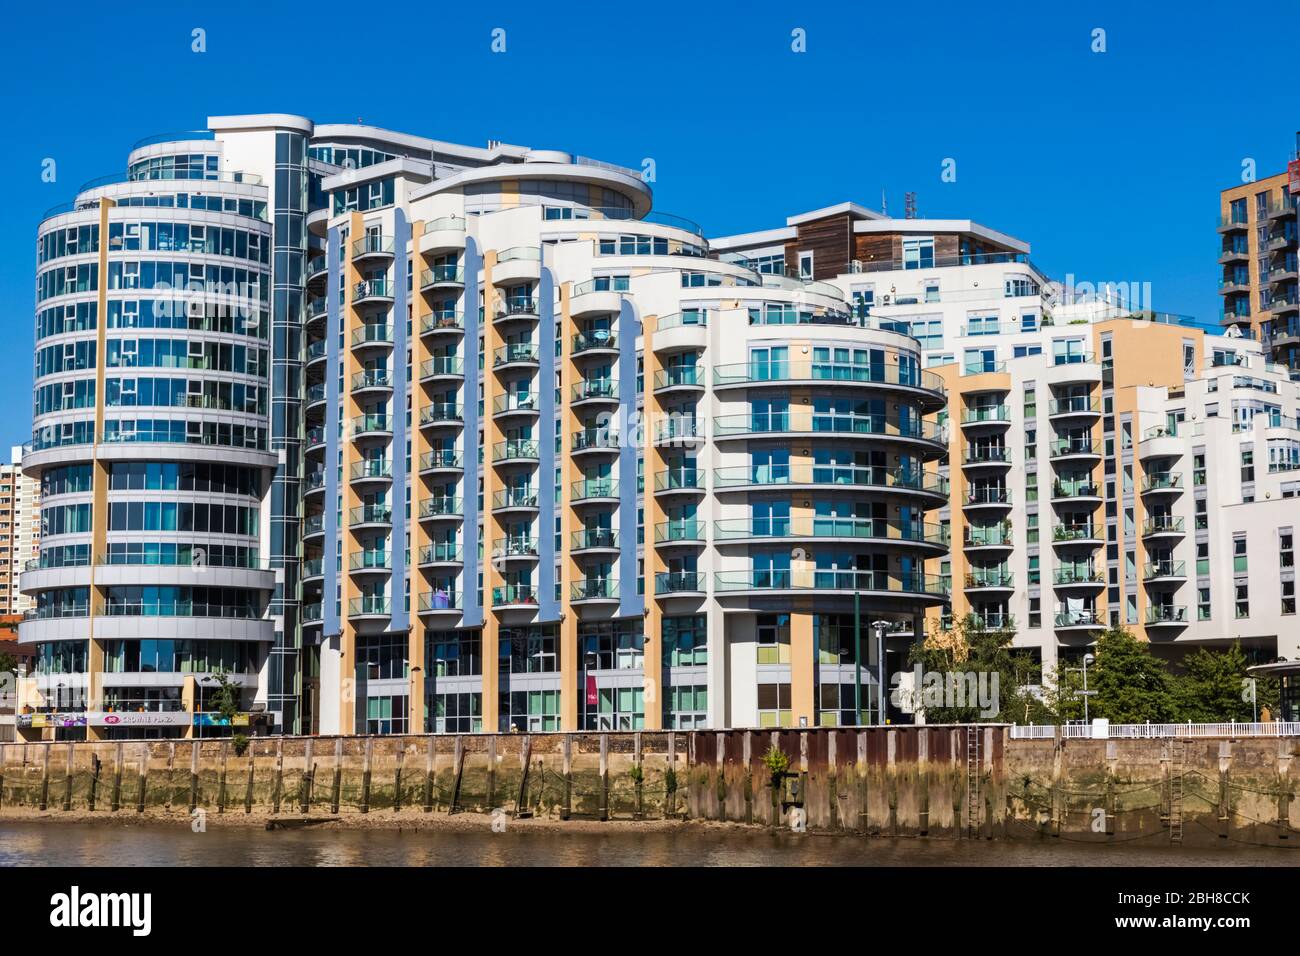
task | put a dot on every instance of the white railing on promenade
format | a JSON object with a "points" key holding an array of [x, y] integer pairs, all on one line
{"points": [[1141, 731]]}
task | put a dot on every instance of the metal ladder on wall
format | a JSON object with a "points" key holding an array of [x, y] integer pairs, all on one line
{"points": [[1177, 762], [972, 780]]}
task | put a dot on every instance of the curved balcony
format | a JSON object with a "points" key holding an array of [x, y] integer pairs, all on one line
{"points": [[372, 606], [681, 332], [442, 415], [678, 378], [316, 398], [906, 589], [441, 554], [441, 509], [1163, 526], [441, 461], [317, 310], [517, 596], [372, 248], [515, 403], [679, 583], [925, 435], [1076, 368], [318, 268], [594, 541], [312, 614], [372, 426], [372, 336], [1162, 483], [314, 483], [678, 430], [599, 442], [1079, 493], [591, 491], [443, 601], [993, 538], [847, 530], [1160, 442], [1166, 616], [931, 486], [979, 459], [379, 470], [518, 355], [682, 533], [515, 451], [442, 277], [1070, 578], [594, 591], [987, 418], [987, 499], [515, 499], [599, 343], [594, 391], [1078, 407], [515, 549], [313, 571], [1076, 534], [1082, 620], [596, 297], [442, 369], [1065, 450], [989, 582], [314, 355], [370, 563], [679, 481], [517, 265], [1158, 573], [443, 234], [372, 381], [313, 527], [445, 323], [373, 517], [314, 440], [370, 292], [924, 386], [516, 308]]}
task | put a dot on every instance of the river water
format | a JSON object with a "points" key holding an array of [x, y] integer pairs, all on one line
{"points": [[100, 844]]}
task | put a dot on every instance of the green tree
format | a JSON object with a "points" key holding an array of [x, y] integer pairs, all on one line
{"points": [[1212, 687], [968, 647], [1132, 686]]}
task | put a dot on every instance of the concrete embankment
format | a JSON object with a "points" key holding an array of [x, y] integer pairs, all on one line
{"points": [[935, 781]]}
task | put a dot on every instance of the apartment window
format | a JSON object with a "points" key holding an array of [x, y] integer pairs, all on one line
{"points": [[1288, 597], [1202, 604], [1035, 612], [1203, 559], [1286, 548], [805, 265], [1034, 574], [931, 290], [918, 253], [1239, 554], [1130, 608], [1242, 604], [1020, 351], [1247, 467], [1198, 470], [1028, 321], [1031, 525], [1031, 444], [1031, 403], [1202, 518]]}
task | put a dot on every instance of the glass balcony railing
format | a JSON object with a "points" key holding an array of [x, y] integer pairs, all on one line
{"points": [[442, 412], [890, 372], [442, 365], [441, 458], [442, 275], [678, 478], [595, 388], [372, 289], [785, 579], [597, 339], [987, 536], [514, 547], [442, 552], [1074, 532], [988, 496], [682, 375], [1081, 617], [520, 253], [443, 507], [821, 526], [678, 428], [313, 524], [694, 319], [370, 514], [371, 468], [515, 402], [823, 423], [1164, 569], [1077, 575], [371, 561], [445, 224], [515, 448], [372, 379], [371, 424], [372, 245], [515, 498], [516, 305], [312, 613], [977, 455], [1074, 358], [594, 538], [514, 594], [515, 352], [1166, 614], [1162, 481], [1162, 524], [667, 532], [818, 474], [989, 579], [1077, 405], [594, 488], [1078, 489], [369, 604], [679, 582], [444, 320], [992, 413], [371, 333], [445, 598], [594, 589], [596, 439]]}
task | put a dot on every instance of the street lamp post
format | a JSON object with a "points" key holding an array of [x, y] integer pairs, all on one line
{"points": [[1085, 693], [880, 667], [857, 654]]}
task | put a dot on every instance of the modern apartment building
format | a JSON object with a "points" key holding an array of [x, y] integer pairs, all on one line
{"points": [[20, 532], [1258, 256], [456, 439], [404, 435]]}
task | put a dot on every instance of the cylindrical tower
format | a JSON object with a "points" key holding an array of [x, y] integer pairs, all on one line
{"points": [[151, 441]]}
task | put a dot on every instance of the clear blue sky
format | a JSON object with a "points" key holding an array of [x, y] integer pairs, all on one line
{"points": [[1109, 164]]}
